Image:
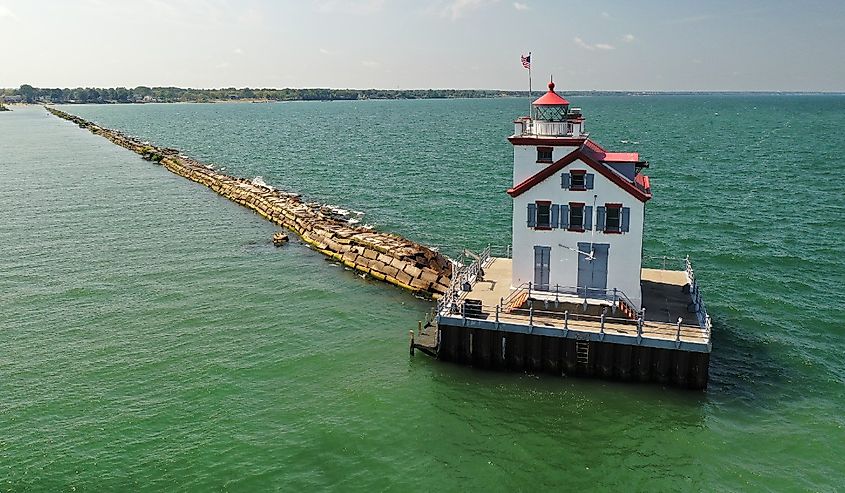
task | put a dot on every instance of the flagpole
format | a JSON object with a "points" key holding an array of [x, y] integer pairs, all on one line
{"points": [[530, 63]]}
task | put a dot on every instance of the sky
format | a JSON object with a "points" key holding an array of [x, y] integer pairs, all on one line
{"points": [[403, 44]]}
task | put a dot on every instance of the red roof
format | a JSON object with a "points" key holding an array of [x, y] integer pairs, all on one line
{"points": [[641, 192], [643, 181], [551, 98], [598, 153], [621, 157]]}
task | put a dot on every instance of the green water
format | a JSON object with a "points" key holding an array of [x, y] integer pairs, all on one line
{"points": [[151, 338]]}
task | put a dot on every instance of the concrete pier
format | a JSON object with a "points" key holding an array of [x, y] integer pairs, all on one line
{"points": [[489, 324], [384, 256]]}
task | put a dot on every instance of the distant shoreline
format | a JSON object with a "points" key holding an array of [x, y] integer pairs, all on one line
{"points": [[143, 94]]}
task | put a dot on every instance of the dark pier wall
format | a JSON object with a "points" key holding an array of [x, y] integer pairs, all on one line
{"points": [[499, 350]]}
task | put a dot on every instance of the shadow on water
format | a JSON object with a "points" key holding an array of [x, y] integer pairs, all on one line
{"points": [[746, 370], [578, 395]]}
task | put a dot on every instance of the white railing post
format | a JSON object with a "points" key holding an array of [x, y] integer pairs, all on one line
{"points": [[678, 339], [603, 315], [531, 318], [566, 320]]}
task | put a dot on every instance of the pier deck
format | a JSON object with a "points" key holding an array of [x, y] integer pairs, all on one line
{"points": [[663, 298], [486, 322]]}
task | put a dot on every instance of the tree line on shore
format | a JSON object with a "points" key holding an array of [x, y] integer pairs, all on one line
{"points": [[142, 94]]}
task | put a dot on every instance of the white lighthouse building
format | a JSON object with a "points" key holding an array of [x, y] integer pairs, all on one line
{"points": [[578, 209], [571, 295]]}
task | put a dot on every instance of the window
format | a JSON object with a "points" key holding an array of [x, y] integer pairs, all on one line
{"points": [[577, 179], [613, 219], [576, 216], [544, 215], [544, 154]]}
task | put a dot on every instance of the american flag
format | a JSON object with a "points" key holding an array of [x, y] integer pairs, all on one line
{"points": [[526, 61]]}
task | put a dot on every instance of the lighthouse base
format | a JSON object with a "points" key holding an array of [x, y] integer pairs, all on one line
{"points": [[511, 351]]}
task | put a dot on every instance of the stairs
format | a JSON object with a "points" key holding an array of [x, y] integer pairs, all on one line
{"points": [[627, 311], [518, 301], [582, 352]]}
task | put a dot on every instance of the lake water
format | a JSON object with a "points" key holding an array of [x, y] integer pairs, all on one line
{"points": [[152, 338]]}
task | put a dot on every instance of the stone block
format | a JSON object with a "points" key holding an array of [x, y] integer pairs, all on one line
{"points": [[428, 275], [419, 284], [412, 270], [404, 278]]}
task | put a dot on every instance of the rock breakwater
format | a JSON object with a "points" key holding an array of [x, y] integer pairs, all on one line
{"points": [[384, 256]]}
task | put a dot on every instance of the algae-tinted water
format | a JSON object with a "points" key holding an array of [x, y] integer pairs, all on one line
{"points": [[151, 338]]}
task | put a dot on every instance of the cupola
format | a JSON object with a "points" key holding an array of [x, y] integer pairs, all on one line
{"points": [[551, 107]]}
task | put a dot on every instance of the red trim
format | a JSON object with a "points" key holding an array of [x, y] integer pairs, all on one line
{"points": [[609, 232], [543, 202], [577, 229], [542, 228], [577, 204], [570, 158], [546, 141], [613, 206], [577, 172]]}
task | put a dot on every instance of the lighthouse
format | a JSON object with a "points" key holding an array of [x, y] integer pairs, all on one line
{"points": [[571, 294], [578, 210]]}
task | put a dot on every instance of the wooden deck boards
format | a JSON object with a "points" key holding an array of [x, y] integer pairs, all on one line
{"points": [[663, 298]]}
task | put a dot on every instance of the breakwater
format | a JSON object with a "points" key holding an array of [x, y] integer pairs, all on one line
{"points": [[386, 257]]}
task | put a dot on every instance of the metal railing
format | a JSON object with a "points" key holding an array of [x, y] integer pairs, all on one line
{"points": [[704, 320], [578, 322]]}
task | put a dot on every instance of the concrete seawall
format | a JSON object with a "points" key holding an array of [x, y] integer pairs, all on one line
{"points": [[384, 256]]}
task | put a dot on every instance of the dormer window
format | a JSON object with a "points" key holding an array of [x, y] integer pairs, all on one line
{"points": [[544, 154], [577, 179]]}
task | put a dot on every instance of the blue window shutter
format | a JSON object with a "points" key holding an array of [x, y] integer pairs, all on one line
{"points": [[532, 215], [555, 217], [564, 181], [590, 180], [626, 219], [588, 217], [564, 216], [600, 219]]}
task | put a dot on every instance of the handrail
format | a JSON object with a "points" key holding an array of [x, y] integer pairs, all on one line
{"points": [[566, 316]]}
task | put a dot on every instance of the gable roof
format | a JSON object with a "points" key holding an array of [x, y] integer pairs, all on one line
{"points": [[642, 194]]}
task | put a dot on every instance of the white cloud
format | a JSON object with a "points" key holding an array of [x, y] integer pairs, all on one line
{"points": [[605, 15], [587, 46], [325, 51], [5, 13], [238, 51], [629, 38], [458, 8], [370, 64], [358, 7], [520, 6]]}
